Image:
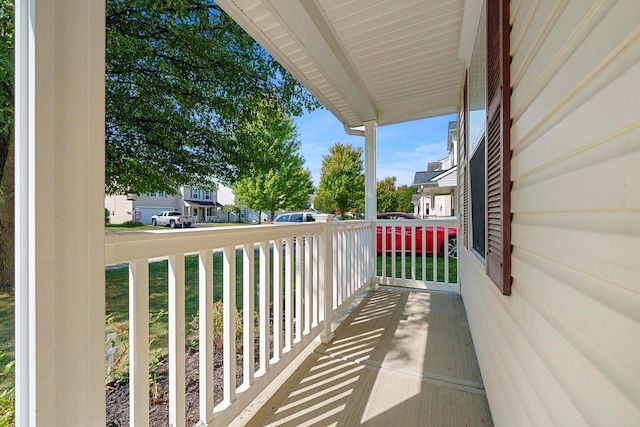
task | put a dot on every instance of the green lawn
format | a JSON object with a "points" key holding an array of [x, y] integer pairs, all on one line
{"points": [[453, 267], [117, 293]]}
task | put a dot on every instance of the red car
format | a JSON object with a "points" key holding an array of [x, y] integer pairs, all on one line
{"points": [[452, 233]]}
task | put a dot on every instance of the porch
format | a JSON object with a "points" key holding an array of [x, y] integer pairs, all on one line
{"points": [[401, 357], [310, 313]]}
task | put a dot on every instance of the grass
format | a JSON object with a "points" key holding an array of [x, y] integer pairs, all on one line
{"points": [[453, 267], [117, 293]]}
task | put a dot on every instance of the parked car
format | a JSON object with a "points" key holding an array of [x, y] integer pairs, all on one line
{"points": [[300, 216], [172, 219], [440, 236]]}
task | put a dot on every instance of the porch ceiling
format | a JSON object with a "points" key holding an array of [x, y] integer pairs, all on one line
{"points": [[390, 61]]}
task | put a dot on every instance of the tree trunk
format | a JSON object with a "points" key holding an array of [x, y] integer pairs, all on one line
{"points": [[7, 214]]}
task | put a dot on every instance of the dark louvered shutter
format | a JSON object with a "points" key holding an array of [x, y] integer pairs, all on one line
{"points": [[498, 230], [463, 165]]}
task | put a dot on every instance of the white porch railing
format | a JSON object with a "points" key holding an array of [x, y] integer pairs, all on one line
{"points": [[299, 293]]}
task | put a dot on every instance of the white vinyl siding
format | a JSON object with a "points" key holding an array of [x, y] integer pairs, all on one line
{"points": [[564, 348]]}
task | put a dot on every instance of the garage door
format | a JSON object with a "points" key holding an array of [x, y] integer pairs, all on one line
{"points": [[147, 213]]}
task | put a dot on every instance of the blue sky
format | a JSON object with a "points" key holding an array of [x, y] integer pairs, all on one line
{"points": [[403, 149]]}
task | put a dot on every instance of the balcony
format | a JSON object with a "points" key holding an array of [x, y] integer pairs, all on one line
{"points": [[331, 347]]}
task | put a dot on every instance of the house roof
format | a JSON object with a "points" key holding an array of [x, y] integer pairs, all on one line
{"points": [[425, 177], [365, 60], [203, 203], [432, 177]]}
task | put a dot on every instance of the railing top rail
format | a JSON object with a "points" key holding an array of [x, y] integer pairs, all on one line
{"points": [[132, 245], [448, 222], [341, 225]]}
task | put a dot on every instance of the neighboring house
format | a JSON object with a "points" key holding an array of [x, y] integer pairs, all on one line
{"points": [[199, 203], [437, 186]]}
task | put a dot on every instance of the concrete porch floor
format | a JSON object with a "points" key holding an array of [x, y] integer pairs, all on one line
{"points": [[400, 358]]}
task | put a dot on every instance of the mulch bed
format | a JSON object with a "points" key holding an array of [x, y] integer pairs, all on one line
{"points": [[118, 391]]}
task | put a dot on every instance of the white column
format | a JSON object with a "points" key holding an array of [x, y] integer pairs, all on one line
{"points": [[59, 209], [370, 131], [371, 197]]}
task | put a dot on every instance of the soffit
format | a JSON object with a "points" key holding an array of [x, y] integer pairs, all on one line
{"points": [[384, 60]]}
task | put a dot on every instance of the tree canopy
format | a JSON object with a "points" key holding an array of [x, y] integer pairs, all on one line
{"points": [[287, 185], [341, 188], [392, 199], [189, 96]]}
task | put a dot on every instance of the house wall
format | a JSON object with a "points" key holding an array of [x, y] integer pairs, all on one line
{"points": [[564, 348], [121, 208], [118, 207]]}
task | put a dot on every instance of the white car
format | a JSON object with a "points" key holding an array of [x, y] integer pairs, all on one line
{"points": [[301, 216]]}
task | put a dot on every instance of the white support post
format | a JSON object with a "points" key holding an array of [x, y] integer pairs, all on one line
{"points": [[371, 198], [325, 252], [59, 211]]}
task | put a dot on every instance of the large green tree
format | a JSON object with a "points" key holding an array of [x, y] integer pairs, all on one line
{"points": [[386, 195], [6, 143], [287, 185], [187, 93], [404, 194], [341, 188]]}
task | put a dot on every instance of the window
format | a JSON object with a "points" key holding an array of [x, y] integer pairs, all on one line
{"points": [[485, 151], [296, 218], [194, 193], [207, 195]]}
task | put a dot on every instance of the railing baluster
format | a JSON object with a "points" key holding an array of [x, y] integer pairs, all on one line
{"points": [[424, 253], [445, 254], [308, 274], [299, 287], [350, 253], [205, 292], [264, 307], [176, 341], [413, 253], [393, 254], [288, 295], [316, 276], [336, 269], [434, 250], [139, 341], [384, 252], [229, 327], [277, 300], [403, 255], [248, 309]]}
